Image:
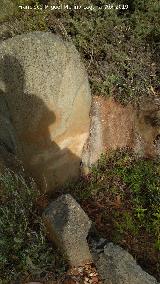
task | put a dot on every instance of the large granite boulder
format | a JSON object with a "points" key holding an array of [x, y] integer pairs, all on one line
{"points": [[48, 95]]}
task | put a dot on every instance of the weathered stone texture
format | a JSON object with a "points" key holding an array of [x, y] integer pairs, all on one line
{"points": [[114, 126], [68, 227], [117, 266], [47, 90]]}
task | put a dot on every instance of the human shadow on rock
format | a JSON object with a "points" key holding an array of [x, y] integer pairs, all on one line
{"points": [[30, 120]]}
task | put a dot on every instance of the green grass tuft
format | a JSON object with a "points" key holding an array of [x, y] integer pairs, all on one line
{"points": [[24, 249]]}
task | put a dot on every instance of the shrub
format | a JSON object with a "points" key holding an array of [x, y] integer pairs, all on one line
{"points": [[120, 48], [122, 197], [24, 249]]}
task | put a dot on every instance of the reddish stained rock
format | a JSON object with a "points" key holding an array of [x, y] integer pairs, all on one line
{"points": [[117, 124], [114, 126]]}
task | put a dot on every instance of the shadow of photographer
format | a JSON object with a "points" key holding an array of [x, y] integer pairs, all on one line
{"points": [[27, 133]]}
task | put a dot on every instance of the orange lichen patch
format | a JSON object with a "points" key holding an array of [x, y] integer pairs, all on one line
{"points": [[117, 123], [73, 140], [125, 126]]}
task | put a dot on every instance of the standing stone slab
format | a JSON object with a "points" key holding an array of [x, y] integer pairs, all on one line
{"points": [[68, 227]]}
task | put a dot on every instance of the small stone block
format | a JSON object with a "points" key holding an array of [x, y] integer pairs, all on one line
{"points": [[68, 226]]}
